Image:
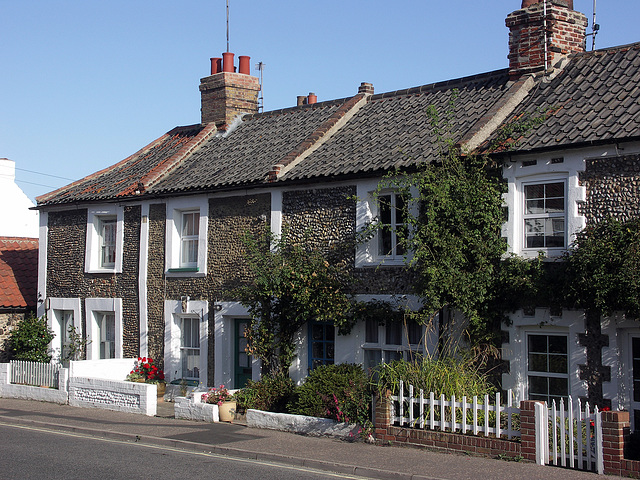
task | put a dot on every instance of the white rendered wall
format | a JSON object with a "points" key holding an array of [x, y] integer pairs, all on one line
{"points": [[16, 220]]}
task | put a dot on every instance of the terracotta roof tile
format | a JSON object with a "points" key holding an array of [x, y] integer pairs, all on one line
{"points": [[18, 272]]}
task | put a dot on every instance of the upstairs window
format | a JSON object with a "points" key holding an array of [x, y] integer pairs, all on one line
{"points": [[105, 239], [392, 218], [544, 215], [189, 236], [108, 229], [186, 237]]}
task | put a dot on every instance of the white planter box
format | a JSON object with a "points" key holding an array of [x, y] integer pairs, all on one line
{"points": [[192, 409]]}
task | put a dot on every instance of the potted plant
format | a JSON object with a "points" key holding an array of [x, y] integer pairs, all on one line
{"points": [[225, 401], [145, 371]]}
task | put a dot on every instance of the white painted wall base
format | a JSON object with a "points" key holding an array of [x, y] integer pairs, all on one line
{"points": [[188, 408], [313, 426], [120, 396]]}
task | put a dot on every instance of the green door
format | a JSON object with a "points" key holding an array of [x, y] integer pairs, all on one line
{"points": [[242, 364]]}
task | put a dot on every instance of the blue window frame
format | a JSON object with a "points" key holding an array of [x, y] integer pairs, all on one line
{"points": [[321, 344]]}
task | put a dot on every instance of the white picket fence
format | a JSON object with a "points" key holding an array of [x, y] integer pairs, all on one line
{"points": [[35, 373], [575, 436], [462, 416]]}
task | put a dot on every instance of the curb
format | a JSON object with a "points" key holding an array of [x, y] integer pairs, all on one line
{"points": [[225, 451]]}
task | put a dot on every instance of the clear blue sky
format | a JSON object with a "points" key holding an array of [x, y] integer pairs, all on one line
{"points": [[86, 83]]}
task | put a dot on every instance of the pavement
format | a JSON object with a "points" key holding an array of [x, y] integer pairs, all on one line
{"points": [[237, 440]]}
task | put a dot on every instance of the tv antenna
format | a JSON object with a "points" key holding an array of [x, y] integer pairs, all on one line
{"points": [[594, 28], [260, 68], [228, 26]]}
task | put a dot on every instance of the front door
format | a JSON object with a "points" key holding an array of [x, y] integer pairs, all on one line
{"points": [[242, 367]]}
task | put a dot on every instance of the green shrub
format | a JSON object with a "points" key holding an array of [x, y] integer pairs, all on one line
{"points": [[271, 393], [340, 392], [30, 340], [457, 376]]}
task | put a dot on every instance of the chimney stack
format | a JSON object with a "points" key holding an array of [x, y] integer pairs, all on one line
{"points": [[535, 37], [225, 94]]}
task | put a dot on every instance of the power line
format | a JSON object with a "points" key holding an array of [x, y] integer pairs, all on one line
{"points": [[45, 174]]}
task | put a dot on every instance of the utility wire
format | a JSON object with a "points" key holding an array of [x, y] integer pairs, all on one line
{"points": [[45, 174]]}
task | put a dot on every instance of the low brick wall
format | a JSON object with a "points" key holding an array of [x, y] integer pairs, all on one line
{"points": [[615, 431], [459, 443]]}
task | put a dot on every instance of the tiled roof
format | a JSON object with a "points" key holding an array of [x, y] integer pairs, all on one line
{"points": [[394, 129], [124, 177], [18, 272], [595, 98], [246, 154]]}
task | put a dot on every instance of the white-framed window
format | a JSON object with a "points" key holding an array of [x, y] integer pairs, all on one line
{"points": [[392, 222], [544, 215], [547, 366], [108, 228], [106, 322], [389, 210], [104, 328], [190, 347], [392, 340], [186, 339], [62, 314], [105, 239], [186, 237], [189, 237]]}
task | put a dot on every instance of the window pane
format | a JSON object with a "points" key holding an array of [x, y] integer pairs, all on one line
{"points": [[558, 387], [554, 190], [372, 358], [532, 192], [329, 333], [535, 206], [317, 350], [538, 343], [384, 203], [414, 333], [391, 355], [384, 242], [558, 364], [557, 344], [329, 351], [317, 332], [538, 362], [371, 335], [538, 385], [555, 205], [393, 333]]}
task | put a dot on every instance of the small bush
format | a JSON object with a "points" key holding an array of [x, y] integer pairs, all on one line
{"points": [[271, 393], [30, 340], [340, 392]]}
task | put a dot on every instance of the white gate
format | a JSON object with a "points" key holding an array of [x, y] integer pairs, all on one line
{"points": [[575, 436]]}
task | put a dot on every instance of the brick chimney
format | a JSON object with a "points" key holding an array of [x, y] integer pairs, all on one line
{"points": [[225, 94], [565, 34]]}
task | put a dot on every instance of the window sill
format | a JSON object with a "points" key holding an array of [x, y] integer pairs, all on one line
{"points": [[102, 270], [185, 272]]}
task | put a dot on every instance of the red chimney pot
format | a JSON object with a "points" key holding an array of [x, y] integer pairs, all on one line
{"points": [[312, 98], [216, 65], [227, 62], [245, 65]]}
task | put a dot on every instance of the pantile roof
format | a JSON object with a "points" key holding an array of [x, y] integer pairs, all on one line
{"points": [[18, 272], [593, 97]]}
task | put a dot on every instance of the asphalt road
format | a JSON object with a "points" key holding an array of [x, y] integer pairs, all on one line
{"points": [[35, 453]]}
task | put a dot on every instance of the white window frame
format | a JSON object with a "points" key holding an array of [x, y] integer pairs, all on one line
{"points": [[544, 216], [94, 240], [547, 375], [173, 258], [174, 311], [367, 213], [54, 307], [391, 351], [184, 349], [95, 308], [544, 168]]}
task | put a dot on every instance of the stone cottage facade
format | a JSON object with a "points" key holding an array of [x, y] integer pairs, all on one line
{"points": [[141, 255]]}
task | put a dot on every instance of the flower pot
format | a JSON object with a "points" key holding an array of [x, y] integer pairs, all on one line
{"points": [[227, 411], [162, 387]]}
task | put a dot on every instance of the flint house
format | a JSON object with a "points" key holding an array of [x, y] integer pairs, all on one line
{"points": [[139, 255]]}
